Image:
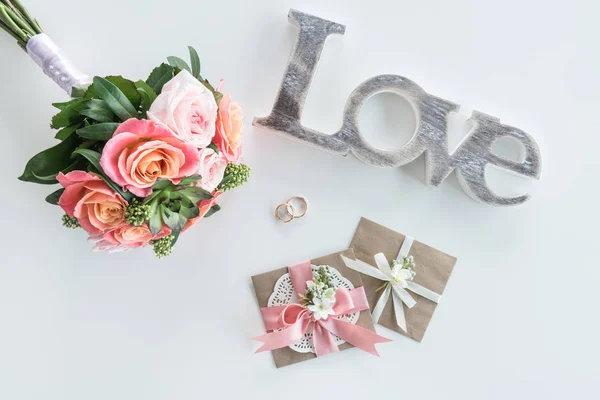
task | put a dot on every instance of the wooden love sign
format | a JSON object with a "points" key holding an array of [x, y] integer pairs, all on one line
{"points": [[469, 160]]}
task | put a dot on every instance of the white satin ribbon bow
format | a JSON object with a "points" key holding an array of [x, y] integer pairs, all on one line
{"points": [[398, 283]]}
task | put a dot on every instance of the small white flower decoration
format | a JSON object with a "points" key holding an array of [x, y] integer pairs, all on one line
{"points": [[319, 297], [329, 294], [398, 279], [322, 308], [403, 272]]}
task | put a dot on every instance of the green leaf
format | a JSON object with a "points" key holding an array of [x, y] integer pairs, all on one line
{"points": [[214, 147], [69, 115], [195, 62], [91, 155], [85, 145], [80, 91], [159, 76], [218, 97], [177, 62], [51, 179], [196, 194], [99, 115], [128, 88], [182, 221], [151, 197], [97, 104], [188, 180], [115, 98], [212, 210], [225, 180], [187, 203], [175, 206], [175, 237], [161, 184], [48, 179], [103, 131], [62, 106], [50, 161], [66, 132], [189, 212], [207, 84], [53, 197], [153, 207], [94, 158], [100, 109], [175, 195], [147, 95], [155, 223], [170, 218], [90, 93]]}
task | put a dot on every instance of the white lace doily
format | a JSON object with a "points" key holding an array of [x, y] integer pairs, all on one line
{"points": [[284, 294]]}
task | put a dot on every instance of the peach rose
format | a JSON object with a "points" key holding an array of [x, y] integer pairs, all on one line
{"points": [[212, 169], [127, 237], [229, 129], [140, 152], [89, 199], [187, 108], [205, 206]]}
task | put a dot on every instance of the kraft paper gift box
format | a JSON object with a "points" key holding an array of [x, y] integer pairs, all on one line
{"points": [[265, 283], [433, 269]]}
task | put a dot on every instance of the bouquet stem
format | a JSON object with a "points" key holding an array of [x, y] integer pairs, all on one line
{"points": [[16, 21]]}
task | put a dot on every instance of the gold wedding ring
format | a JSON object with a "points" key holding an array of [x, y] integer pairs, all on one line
{"points": [[298, 203], [294, 207], [289, 211]]}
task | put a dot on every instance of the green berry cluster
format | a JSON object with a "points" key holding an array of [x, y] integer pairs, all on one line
{"points": [[235, 175], [137, 213], [319, 287], [407, 263], [163, 247], [69, 222], [323, 275]]}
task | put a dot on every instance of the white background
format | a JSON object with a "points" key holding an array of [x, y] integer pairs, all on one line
{"points": [[519, 317]]}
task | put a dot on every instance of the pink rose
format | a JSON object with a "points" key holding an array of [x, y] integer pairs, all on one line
{"points": [[127, 237], [205, 206], [89, 199], [212, 169], [187, 108], [140, 152], [229, 129]]}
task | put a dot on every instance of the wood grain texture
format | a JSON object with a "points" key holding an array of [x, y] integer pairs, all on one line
{"points": [[469, 160]]}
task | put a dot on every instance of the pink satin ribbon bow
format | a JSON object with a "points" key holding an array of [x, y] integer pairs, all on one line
{"points": [[294, 320]]}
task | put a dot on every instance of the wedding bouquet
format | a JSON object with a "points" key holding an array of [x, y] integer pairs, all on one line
{"points": [[141, 161]]}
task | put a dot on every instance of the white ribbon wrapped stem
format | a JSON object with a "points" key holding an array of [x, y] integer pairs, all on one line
{"points": [[398, 289], [55, 63]]}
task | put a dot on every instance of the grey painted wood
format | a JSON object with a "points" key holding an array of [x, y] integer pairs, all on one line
{"points": [[469, 160]]}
